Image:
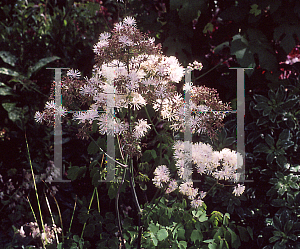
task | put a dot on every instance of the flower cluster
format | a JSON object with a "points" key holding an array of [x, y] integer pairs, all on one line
{"points": [[32, 229], [195, 65], [222, 165]]}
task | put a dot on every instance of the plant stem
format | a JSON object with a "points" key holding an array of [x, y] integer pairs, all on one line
{"points": [[136, 202], [88, 212], [52, 219], [118, 211], [202, 75], [72, 217], [59, 213], [35, 188], [150, 120]]}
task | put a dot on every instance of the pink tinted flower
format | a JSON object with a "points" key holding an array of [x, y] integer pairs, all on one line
{"points": [[162, 174], [238, 190]]}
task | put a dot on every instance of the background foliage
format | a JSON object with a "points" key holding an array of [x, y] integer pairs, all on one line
{"points": [[220, 34]]}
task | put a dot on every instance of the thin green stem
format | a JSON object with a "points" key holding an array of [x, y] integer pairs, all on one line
{"points": [[151, 120], [123, 165], [52, 219], [88, 212], [202, 75], [35, 188], [58, 209], [98, 202], [72, 217], [117, 209], [34, 218]]}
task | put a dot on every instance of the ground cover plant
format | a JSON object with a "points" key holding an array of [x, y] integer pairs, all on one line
{"points": [[152, 202]]}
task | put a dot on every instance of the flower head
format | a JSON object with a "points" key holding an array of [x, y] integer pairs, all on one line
{"points": [[162, 174], [130, 21], [238, 190], [141, 128]]}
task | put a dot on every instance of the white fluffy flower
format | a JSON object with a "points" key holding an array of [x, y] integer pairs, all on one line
{"points": [[137, 101], [187, 189], [141, 128], [74, 73], [39, 117], [110, 125], [125, 40], [89, 116], [238, 190], [196, 203], [104, 36], [50, 104], [162, 174], [130, 21], [172, 186]]}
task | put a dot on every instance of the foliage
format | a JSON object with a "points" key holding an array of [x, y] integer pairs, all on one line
{"points": [[221, 34]]}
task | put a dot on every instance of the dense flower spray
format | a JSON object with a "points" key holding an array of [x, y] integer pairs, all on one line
{"points": [[130, 73]]}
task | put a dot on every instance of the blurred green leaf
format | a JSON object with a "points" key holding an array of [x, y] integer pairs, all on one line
{"points": [[8, 58]]}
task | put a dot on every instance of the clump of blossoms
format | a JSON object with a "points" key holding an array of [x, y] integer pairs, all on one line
{"points": [[222, 165], [130, 73], [32, 230]]}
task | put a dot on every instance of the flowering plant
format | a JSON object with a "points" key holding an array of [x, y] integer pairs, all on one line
{"points": [[132, 76]]}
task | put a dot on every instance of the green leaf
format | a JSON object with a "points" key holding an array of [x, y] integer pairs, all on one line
{"points": [[290, 103], [280, 95], [270, 140], [260, 45], [153, 228], [244, 235], [235, 241], [9, 72], [41, 63], [209, 27], [196, 235], [239, 48], [89, 230], [262, 120], [270, 157], [254, 10], [229, 141], [250, 231], [112, 191], [5, 90], [153, 153], [274, 238], [284, 135], [182, 244], [281, 160], [190, 10], [260, 98], [277, 223], [212, 246], [14, 113], [286, 31], [267, 110], [278, 203], [8, 58], [253, 136], [288, 226], [162, 234], [262, 148], [181, 233], [76, 172]]}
